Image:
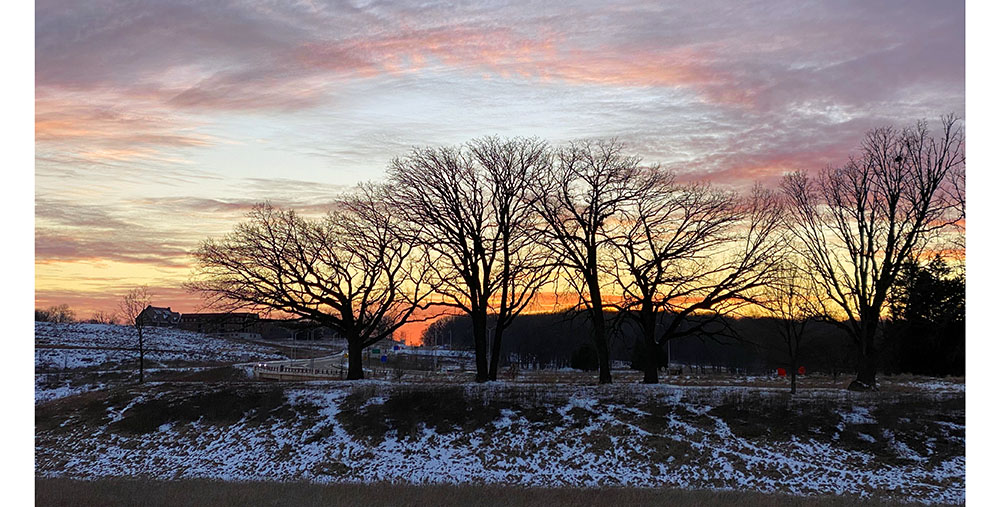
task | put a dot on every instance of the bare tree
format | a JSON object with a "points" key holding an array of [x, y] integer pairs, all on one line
{"points": [[59, 314], [357, 270], [132, 306], [792, 301], [578, 196], [857, 225], [474, 211], [956, 193], [511, 166], [689, 250], [103, 317]]}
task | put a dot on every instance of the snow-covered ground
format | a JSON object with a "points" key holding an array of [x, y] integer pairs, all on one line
{"points": [[52, 389], [103, 342], [421, 351], [902, 446], [71, 358]]}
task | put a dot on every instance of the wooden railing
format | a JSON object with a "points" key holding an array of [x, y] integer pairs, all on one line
{"points": [[282, 372]]}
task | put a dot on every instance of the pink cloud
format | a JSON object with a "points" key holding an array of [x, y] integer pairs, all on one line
{"points": [[733, 93]]}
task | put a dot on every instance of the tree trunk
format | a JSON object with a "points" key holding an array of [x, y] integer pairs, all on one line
{"points": [[650, 366], [865, 381], [600, 332], [867, 363], [651, 363], [495, 352], [601, 342], [479, 338], [355, 369]]}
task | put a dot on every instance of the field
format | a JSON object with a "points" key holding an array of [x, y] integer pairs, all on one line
{"points": [[538, 436], [77, 358]]}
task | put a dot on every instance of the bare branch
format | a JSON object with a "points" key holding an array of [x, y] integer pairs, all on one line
{"points": [[856, 225]]}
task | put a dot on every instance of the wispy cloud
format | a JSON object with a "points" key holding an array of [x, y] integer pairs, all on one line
{"points": [[159, 123]]}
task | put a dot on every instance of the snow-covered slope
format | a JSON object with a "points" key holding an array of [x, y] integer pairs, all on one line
{"points": [[103, 343], [902, 446], [75, 358]]}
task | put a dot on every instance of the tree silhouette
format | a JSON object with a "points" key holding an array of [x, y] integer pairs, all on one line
{"points": [[791, 299], [103, 317], [857, 225], [473, 211], [357, 270], [579, 197], [132, 306], [927, 309], [687, 250], [59, 314]]}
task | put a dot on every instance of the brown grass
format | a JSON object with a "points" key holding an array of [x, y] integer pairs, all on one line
{"points": [[115, 492], [214, 407], [220, 374]]}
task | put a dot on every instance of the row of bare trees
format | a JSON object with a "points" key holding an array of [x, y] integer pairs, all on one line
{"points": [[486, 227], [59, 314], [63, 314]]}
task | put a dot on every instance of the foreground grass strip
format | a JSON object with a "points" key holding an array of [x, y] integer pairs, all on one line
{"points": [[114, 492]]}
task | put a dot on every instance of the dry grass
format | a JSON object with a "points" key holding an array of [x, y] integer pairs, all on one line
{"points": [[371, 411], [220, 374], [115, 492]]}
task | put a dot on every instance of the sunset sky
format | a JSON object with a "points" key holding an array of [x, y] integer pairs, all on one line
{"points": [[160, 123]]}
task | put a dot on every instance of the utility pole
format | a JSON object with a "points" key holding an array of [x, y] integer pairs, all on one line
{"points": [[668, 357]]}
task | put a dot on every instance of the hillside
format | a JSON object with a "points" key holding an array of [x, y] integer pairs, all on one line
{"points": [[905, 446], [75, 358]]}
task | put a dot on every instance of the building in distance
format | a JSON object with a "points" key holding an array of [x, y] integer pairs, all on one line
{"points": [[230, 325], [159, 317]]}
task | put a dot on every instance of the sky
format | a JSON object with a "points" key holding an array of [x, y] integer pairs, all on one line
{"points": [[160, 123]]}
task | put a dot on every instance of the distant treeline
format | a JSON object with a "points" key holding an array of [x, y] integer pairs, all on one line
{"points": [[747, 345]]}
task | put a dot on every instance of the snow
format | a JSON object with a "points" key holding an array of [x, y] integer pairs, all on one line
{"points": [[867, 438], [435, 352], [611, 449], [87, 345], [588, 442], [71, 359], [939, 386], [858, 415], [46, 392]]}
